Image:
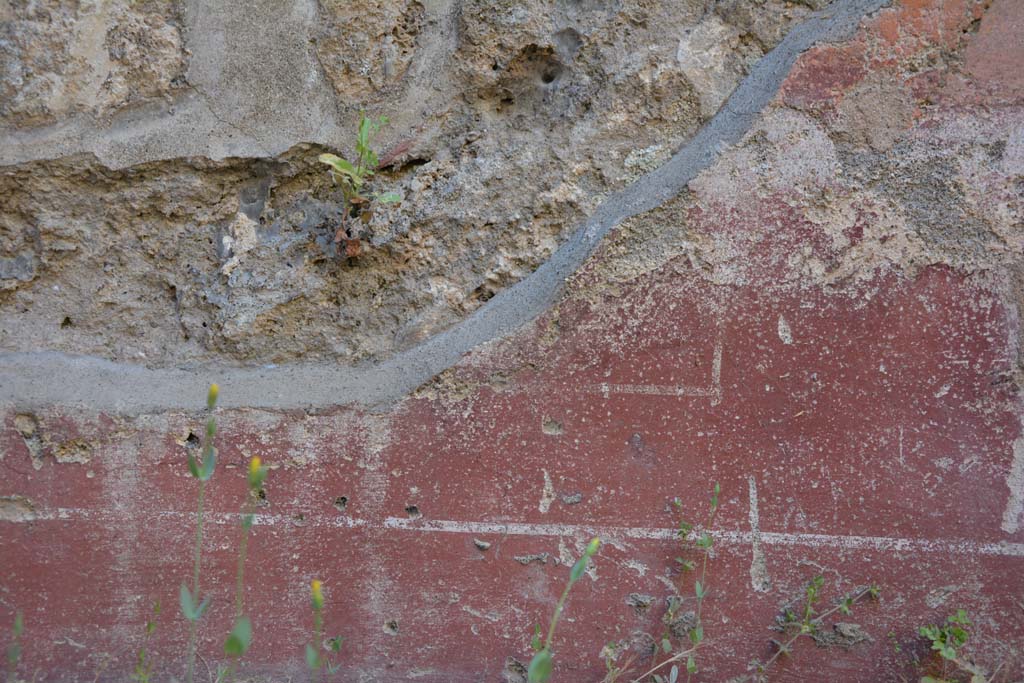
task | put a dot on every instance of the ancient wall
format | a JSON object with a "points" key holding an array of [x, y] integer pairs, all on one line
{"points": [[643, 246]]}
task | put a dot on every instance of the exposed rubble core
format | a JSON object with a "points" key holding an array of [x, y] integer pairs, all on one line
{"points": [[540, 111]]}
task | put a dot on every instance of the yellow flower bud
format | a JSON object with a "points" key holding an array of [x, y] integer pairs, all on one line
{"points": [[316, 589], [254, 466], [592, 547], [211, 397]]}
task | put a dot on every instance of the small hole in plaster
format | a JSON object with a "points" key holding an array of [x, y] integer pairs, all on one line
{"points": [[413, 512], [341, 502], [391, 627], [192, 441]]}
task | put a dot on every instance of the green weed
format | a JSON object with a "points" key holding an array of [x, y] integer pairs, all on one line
{"points": [[240, 638], [948, 640], [191, 606], [144, 662], [352, 177], [691, 622], [14, 649], [315, 660], [807, 622], [542, 662]]}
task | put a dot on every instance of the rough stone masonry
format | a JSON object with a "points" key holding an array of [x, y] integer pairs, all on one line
{"points": [[643, 246]]}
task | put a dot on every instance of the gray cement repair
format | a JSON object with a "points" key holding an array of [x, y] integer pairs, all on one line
{"points": [[30, 380]]}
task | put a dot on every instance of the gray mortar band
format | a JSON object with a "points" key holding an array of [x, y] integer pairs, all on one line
{"points": [[34, 380]]}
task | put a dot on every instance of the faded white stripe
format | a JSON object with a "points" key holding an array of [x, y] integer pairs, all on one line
{"points": [[727, 537]]}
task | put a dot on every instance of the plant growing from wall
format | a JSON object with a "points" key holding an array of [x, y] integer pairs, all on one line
{"points": [[316, 661], [352, 177], [14, 648], [948, 641], [686, 649], [240, 638], [144, 662], [542, 662], [807, 622], [191, 606]]}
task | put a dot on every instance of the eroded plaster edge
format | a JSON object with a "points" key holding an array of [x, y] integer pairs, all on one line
{"points": [[32, 380]]}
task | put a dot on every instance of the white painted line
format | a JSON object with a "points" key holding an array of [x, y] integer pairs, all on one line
{"points": [[714, 392], [611, 533], [651, 390], [956, 546]]}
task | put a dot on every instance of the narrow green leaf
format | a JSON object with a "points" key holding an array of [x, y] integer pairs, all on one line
{"points": [[335, 643], [202, 608], [389, 198], [666, 645], [209, 463], [691, 665], [540, 667], [363, 137], [19, 624], [247, 521], [673, 674], [193, 467], [188, 604], [239, 639], [340, 165]]}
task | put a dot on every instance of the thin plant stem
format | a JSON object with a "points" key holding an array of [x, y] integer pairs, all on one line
{"points": [[318, 639], [556, 615], [703, 578], [243, 547], [197, 555], [784, 648], [674, 658], [240, 578]]}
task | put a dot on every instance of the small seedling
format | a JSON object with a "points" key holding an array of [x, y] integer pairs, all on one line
{"points": [[315, 659], [610, 653], [191, 606], [808, 622], [14, 649], [352, 178], [948, 641], [144, 662], [543, 662], [687, 649]]}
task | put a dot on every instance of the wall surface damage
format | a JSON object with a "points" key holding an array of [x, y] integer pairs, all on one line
{"points": [[643, 246]]}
